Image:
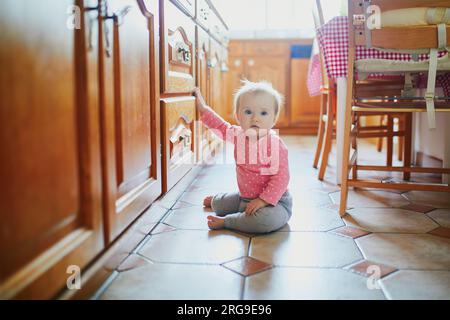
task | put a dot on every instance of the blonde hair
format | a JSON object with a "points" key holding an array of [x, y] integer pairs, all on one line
{"points": [[258, 87]]}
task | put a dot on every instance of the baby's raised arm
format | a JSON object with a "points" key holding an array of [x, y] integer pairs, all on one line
{"points": [[201, 103], [213, 121]]}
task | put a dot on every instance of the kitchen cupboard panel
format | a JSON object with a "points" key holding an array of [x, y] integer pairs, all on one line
{"points": [[130, 117], [51, 207]]}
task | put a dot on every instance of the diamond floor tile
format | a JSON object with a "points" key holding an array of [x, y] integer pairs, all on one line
{"points": [[368, 268], [418, 207], [133, 261], [350, 232], [441, 232], [247, 266], [441, 216]]}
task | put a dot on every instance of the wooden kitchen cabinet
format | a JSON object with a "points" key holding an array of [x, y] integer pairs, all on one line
{"points": [[130, 115], [275, 70], [304, 111], [190, 57], [215, 76], [270, 60], [51, 208], [99, 121]]}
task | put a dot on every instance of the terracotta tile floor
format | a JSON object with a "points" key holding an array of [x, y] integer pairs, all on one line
{"points": [[390, 245]]}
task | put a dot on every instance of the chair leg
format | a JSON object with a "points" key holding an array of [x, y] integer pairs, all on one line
{"points": [[354, 142], [346, 132], [320, 132], [328, 137], [390, 140], [408, 145], [380, 139], [401, 140]]}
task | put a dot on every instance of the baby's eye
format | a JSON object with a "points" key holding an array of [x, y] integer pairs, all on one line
{"points": [[248, 111], [264, 113]]}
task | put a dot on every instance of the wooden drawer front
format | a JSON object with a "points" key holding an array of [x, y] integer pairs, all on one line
{"points": [[186, 5], [236, 48], [179, 44], [204, 12], [179, 128], [258, 48]]}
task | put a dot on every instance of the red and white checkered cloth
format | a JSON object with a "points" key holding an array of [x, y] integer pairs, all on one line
{"points": [[314, 80], [333, 41]]}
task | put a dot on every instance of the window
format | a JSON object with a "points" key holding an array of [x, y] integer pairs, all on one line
{"points": [[274, 18]]}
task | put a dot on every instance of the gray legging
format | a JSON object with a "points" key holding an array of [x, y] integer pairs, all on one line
{"points": [[267, 219]]}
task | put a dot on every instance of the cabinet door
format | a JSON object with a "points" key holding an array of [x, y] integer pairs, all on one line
{"points": [[203, 54], [215, 93], [232, 83], [130, 112], [50, 208], [276, 71], [304, 109]]}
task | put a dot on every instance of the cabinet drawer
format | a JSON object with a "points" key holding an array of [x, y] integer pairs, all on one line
{"points": [[178, 51], [187, 6], [266, 48], [179, 137], [236, 48]]}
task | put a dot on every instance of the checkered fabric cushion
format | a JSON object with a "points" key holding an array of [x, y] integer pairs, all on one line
{"points": [[333, 41]]}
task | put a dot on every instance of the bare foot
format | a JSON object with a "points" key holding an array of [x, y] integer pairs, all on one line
{"points": [[207, 201], [215, 223]]}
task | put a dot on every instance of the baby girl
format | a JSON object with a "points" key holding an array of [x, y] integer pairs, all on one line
{"points": [[263, 203]]}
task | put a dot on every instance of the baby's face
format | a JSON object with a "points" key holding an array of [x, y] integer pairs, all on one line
{"points": [[256, 111]]}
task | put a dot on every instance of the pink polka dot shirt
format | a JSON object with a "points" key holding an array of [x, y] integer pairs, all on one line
{"points": [[261, 164]]}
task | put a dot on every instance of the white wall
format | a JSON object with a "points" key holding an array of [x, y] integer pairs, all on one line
{"points": [[433, 142]]}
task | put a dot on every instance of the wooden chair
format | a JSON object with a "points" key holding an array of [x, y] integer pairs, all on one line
{"points": [[327, 117], [415, 37], [326, 126]]}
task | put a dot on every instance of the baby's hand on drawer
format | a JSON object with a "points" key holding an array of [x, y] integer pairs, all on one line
{"points": [[201, 104], [255, 205]]}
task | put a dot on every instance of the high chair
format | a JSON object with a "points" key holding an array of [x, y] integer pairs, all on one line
{"points": [[327, 118], [414, 26]]}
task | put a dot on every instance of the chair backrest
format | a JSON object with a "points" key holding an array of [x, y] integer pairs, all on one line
{"points": [[318, 14], [318, 22], [407, 37]]}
